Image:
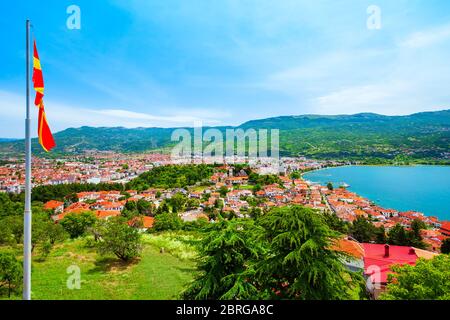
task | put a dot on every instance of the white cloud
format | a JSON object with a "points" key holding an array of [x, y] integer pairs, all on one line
{"points": [[61, 116], [427, 38], [389, 98], [390, 80], [368, 98], [333, 69], [138, 116]]}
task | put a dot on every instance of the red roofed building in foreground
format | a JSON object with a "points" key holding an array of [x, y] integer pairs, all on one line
{"points": [[378, 259], [350, 247]]}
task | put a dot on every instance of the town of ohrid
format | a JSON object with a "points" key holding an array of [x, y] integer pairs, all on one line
{"points": [[224, 159]]}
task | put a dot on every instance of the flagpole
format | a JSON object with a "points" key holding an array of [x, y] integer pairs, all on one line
{"points": [[27, 213]]}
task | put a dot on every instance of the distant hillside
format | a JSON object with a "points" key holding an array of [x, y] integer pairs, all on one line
{"points": [[360, 136], [421, 136], [7, 139]]}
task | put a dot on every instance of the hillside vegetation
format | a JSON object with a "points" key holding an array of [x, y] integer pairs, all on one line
{"points": [[362, 136], [154, 275], [173, 176]]}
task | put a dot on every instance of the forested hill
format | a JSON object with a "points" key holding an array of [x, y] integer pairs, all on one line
{"points": [[360, 136], [366, 135]]}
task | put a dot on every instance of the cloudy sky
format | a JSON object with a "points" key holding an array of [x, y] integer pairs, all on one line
{"points": [[172, 63]]}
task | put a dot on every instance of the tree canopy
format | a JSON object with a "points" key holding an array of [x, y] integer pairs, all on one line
{"points": [[171, 176], [285, 254], [167, 221], [427, 280], [77, 225], [10, 273], [300, 263], [120, 239], [225, 253], [401, 237]]}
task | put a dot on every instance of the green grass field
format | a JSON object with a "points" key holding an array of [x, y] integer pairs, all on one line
{"points": [[154, 276]]}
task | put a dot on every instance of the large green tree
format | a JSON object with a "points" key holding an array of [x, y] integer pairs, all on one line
{"points": [[363, 230], [10, 272], [178, 202], [8, 207], [77, 225], [225, 253], [414, 235], [284, 254], [45, 232], [401, 237], [300, 263], [11, 230], [167, 221], [120, 239], [397, 235], [336, 223], [427, 280]]}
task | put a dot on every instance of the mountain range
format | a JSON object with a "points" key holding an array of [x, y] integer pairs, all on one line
{"points": [[360, 136]]}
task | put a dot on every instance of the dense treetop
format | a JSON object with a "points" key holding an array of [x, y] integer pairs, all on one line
{"points": [[172, 176]]}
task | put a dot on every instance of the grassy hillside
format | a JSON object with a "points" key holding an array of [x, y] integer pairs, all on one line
{"points": [[154, 276], [361, 136]]}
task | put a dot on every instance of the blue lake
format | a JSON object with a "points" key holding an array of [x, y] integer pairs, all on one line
{"points": [[420, 188]]}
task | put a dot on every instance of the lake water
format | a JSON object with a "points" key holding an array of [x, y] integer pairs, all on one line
{"points": [[421, 188]]}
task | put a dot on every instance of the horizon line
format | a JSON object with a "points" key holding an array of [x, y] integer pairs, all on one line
{"points": [[236, 126]]}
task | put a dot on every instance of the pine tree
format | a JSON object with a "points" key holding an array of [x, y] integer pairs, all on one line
{"points": [[300, 263], [225, 256]]}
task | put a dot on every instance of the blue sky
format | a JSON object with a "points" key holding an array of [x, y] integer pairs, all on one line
{"points": [[172, 63]]}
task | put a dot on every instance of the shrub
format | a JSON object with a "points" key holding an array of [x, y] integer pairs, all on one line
{"points": [[76, 225], [167, 221], [10, 272], [118, 238]]}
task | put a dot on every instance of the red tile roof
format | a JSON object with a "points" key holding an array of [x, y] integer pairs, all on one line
{"points": [[53, 204], [446, 227], [350, 247], [78, 206], [106, 214], [147, 222], [375, 258]]}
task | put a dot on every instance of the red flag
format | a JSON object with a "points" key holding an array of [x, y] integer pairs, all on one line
{"points": [[45, 135]]}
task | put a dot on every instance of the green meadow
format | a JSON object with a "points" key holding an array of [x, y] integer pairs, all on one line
{"points": [[155, 275]]}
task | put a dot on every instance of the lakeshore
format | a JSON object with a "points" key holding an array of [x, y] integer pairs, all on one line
{"points": [[419, 188]]}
